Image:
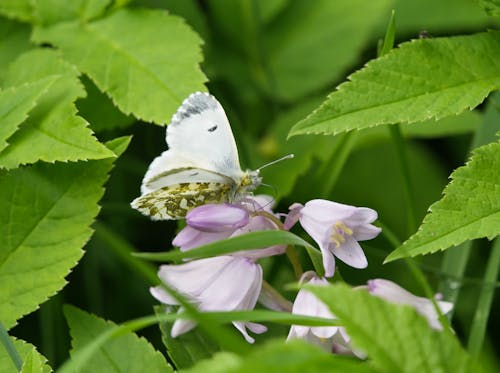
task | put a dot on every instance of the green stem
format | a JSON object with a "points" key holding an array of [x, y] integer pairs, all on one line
{"points": [[402, 156], [480, 321], [10, 348], [453, 268], [337, 160]]}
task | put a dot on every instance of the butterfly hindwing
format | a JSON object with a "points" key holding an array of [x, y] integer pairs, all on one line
{"points": [[174, 201]]}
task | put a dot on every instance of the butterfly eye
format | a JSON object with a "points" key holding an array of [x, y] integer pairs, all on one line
{"points": [[212, 129]]}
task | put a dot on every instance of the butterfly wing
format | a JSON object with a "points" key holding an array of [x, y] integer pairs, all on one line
{"points": [[183, 190], [200, 166]]}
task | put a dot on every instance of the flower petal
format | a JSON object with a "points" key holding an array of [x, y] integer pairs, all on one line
{"points": [[366, 232], [351, 253], [293, 216], [327, 212], [189, 238], [192, 277], [217, 217], [181, 327]]}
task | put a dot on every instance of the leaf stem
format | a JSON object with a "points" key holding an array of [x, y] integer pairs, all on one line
{"points": [[10, 348], [480, 321]]}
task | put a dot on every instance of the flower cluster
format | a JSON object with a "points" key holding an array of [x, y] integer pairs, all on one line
{"points": [[234, 281]]}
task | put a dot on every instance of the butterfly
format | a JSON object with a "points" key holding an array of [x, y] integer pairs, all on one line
{"points": [[200, 166]]}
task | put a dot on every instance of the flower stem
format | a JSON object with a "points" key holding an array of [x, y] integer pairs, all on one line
{"points": [[292, 256], [272, 299], [480, 321], [408, 193], [291, 253]]}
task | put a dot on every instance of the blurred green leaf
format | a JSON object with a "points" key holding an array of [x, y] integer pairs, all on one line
{"points": [[277, 356], [441, 16], [145, 60], [46, 212], [395, 337], [14, 40], [47, 12], [21, 10], [188, 348], [15, 104], [469, 209], [53, 131], [33, 360], [311, 44], [128, 353], [422, 79], [492, 7]]}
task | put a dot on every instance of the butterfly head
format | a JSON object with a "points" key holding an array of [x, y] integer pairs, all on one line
{"points": [[250, 181]]}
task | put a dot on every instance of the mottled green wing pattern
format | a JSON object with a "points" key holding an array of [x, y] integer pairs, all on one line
{"points": [[174, 201]]}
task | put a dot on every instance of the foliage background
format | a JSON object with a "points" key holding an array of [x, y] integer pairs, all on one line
{"points": [[270, 63]]}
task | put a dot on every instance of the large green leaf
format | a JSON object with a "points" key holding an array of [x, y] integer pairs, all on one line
{"points": [[15, 104], [312, 43], [53, 131], [127, 353], [145, 60], [469, 209], [422, 79], [277, 356], [33, 361], [46, 211], [47, 12], [14, 40], [395, 337]]}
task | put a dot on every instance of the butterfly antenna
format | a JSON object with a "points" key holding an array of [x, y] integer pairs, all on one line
{"points": [[289, 156]]}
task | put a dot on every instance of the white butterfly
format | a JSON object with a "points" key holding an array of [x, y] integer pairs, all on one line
{"points": [[200, 166]]}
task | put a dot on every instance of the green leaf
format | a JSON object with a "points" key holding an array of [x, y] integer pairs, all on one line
{"points": [[469, 209], [248, 241], [127, 353], [277, 356], [15, 39], [422, 79], [21, 10], [188, 348], [35, 363], [322, 29], [31, 357], [48, 12], [53, 131], [145, 60], [46, 211], [15, 104], [395, 337], [492, 7]]}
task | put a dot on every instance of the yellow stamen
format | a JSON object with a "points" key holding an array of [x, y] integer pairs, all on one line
{"points": [[339, 232]]}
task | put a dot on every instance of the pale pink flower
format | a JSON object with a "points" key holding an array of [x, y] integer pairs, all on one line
{"points": [[214, 222], [224, 283], [331, 338], [394, 293], [336, 228]]}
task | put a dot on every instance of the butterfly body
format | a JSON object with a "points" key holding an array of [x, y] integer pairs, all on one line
{"points": [[200, 166]]}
